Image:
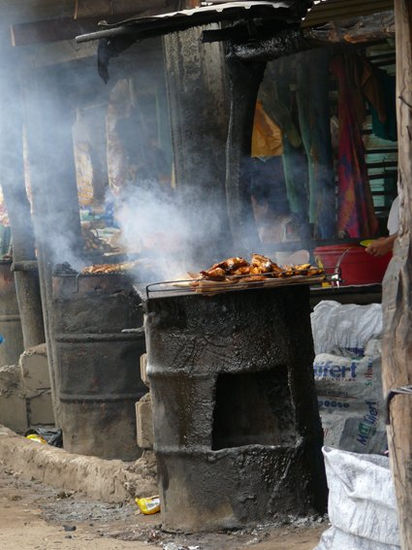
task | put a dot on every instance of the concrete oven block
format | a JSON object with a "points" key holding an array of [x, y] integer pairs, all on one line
{"points": [[144, 422], [143, 369], [35, 371], [13, 411], [40, 409]]}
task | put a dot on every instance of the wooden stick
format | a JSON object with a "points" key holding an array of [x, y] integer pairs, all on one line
{"points": [[397, 288]]}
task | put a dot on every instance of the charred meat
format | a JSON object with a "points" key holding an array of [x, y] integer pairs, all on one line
{"points": [[105, 269], [215, 273], [260, 268]]}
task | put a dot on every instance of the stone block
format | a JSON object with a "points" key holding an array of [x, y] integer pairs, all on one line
{"points": [[13, 411], [143, 369], [34, 370], [40, 409], [144, 422]]}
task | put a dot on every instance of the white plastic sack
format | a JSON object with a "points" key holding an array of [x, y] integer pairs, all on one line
{"points": [[350, 399], [362, 504], [344, 329]]}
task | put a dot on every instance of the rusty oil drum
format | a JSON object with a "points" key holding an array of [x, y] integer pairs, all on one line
{"points": [[237, 433], [10, 326], [98, 379]]}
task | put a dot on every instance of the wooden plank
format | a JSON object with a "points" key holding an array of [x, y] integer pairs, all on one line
{"points": [[344, 9], [29, 10], [54, 30], [85, 20], [359, 27], [397, 287], [107, 8]]}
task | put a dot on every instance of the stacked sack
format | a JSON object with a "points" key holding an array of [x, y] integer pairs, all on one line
{"points": [[347, 370], [362, 503]]}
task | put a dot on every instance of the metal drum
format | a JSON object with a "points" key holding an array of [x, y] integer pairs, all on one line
{"points": [[98, 379], [10, 326], [236, 424]]}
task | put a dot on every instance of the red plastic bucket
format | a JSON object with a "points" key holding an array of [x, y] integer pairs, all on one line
{"points": [[357, 266]]}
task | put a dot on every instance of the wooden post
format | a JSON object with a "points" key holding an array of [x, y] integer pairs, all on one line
{"points": [[198, 118], [397, 287], [244, 82], [49, 119], [12, 182]]}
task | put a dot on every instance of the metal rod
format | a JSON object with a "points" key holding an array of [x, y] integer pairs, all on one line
{"points": [[107, 33]]}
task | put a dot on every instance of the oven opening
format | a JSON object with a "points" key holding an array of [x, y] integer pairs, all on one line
{"points": [[253, 408]]}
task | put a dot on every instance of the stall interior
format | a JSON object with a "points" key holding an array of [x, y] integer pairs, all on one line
{"points": [[322, 169], [122, 151], [324, 151]]}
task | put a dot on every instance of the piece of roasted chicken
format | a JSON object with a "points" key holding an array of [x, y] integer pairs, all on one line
{"points": [[287, 271], [231, 264], [265, 265], [244, 270], [302, 268], [214, 274], [253, 278]]}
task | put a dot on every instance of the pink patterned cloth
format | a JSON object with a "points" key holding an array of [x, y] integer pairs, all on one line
{"points": [[356, 214]]}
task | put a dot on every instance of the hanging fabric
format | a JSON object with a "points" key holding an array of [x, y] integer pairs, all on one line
{"points": [[356, 214], [266, 136], [280, 104], [312, 95], [300, 106]]}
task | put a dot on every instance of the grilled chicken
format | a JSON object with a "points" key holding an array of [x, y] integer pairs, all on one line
{"points": [[314, 271], [214, 274], [231, 264], [235, 263], [263, 263], [104, 269], [244, 270], [253, 278], [261, 268]]}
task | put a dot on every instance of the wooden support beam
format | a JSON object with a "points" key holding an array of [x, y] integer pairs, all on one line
{"points": [[18, 207], [397, 288], [48, 121], [366, 28], [333, 10], [107, 8], [198, 117], [51, 30], [86, 18]]}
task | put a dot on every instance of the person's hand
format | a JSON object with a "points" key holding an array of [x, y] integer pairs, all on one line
{"points": [[381, 246]]}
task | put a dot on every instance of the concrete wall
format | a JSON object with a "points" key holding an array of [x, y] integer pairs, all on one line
{"points": [[144, 419], [25, 394]]}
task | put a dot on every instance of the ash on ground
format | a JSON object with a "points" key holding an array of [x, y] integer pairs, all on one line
{"points": [[124, 522]]}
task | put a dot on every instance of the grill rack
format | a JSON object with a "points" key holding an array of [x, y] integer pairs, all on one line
{"points": [[184, 287]]}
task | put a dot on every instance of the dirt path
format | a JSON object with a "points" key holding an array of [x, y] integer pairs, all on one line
{"points": [[36, 517]]}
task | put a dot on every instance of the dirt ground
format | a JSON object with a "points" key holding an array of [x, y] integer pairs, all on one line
{"points": [[34, 516]]}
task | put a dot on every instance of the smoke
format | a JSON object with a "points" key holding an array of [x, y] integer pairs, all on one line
{"points": [[169, 230], [120, 133], [153, 227]]}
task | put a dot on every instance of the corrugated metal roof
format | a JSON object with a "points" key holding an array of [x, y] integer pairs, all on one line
{"points": [[333, 10], [167, 22]]}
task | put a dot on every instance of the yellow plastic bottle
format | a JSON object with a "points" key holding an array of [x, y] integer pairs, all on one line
{"points": [[149, 505], [36, 437]]}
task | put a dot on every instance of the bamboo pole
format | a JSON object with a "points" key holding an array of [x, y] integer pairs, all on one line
{"points": [[397, 288]]}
